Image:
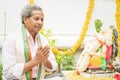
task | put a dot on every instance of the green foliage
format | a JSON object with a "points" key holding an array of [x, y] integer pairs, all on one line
{"points": [[66, 61], [98, 24], [48, 34], [0, 71], [60, 58], [69, 62]]}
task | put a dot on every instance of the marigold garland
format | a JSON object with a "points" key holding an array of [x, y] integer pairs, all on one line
{"points": [[82, 35], [117, 16], [31, 2]]}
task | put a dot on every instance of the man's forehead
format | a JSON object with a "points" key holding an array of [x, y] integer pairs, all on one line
{"points": [[36, 12]]}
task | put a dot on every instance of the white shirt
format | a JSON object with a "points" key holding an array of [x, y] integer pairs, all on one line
{"points": [[13, 70]]}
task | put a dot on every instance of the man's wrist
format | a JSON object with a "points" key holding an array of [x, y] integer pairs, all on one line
{"points": [[47, 63]]}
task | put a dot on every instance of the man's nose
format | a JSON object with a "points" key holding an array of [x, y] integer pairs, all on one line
{"points": [[40, 22]]}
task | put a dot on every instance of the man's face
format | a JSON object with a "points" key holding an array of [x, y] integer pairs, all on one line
{"points": [[34, 23]]}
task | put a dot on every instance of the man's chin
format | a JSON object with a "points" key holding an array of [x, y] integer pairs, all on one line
{"points": [[37, 30]]}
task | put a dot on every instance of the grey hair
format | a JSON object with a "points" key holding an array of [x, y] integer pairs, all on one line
{"points": [[27, 10]]}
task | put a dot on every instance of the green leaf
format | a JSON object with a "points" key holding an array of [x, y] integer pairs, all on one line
{"points": [[69, 62], [1, 71], [98, 24]]}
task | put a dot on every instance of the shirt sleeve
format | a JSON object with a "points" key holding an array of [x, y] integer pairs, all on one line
{"points": [[52, 59], [11, 69]]}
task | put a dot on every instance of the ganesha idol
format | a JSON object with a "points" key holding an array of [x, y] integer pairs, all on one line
{"points": [[98, 54]]}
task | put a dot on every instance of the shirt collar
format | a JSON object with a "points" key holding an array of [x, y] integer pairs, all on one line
{"points": [[29, 36]]}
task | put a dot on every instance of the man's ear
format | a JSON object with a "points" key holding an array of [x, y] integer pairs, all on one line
{"points": [[24, 19]]}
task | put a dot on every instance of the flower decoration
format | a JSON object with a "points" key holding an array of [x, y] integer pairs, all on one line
{"points": [[117, 16], [31, 2]]}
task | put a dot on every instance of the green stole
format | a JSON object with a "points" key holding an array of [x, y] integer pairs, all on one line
{"points": [[27, 58]]}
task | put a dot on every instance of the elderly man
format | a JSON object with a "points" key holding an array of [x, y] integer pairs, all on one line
{"points": [[26, 53]]}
